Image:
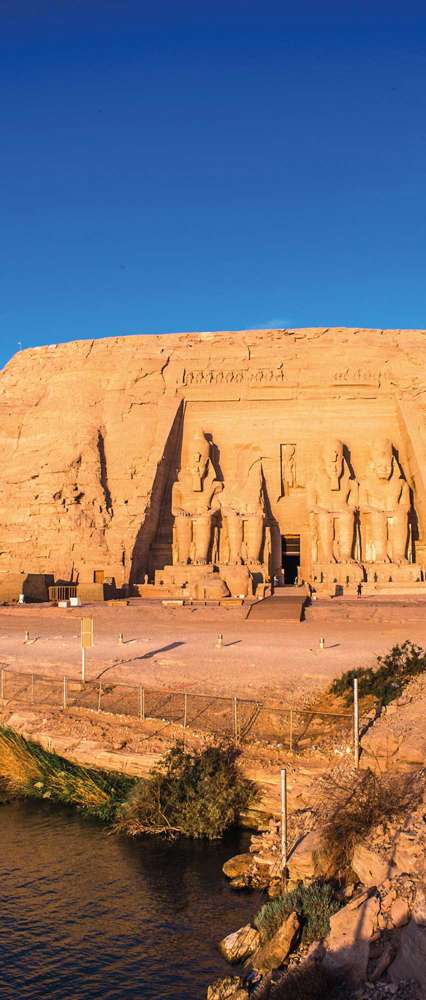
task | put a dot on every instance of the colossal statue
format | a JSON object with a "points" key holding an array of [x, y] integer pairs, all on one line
{"points": [[243, 514], [193, 504], [384, 508], [332, 499]]}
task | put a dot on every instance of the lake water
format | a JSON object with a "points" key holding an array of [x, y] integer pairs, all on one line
{"points": [[85, 914]]}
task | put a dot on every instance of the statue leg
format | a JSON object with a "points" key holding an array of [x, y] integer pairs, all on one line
{"points": [[202, 535], [345, 527], [379, 535], [325, 536], [399, 536], [235, 538], [254, 537], [183, 539]]}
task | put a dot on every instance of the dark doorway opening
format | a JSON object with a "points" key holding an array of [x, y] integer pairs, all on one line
{"points": [[290, 548]]}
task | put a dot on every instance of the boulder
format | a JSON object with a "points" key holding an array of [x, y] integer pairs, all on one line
{"points": [[348, 942], [240, 944], [229, 988], [410, 962], [399, 912], [309, 859], [240, 882], [369, 866], [237, 866], [272, 954]]}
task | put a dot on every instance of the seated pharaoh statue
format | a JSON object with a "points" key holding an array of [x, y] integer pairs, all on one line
{"points": [[384, 508], [332, 499], [194, 503]]}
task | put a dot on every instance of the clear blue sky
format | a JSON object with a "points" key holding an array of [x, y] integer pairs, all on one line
{"points": [[210, 165]]}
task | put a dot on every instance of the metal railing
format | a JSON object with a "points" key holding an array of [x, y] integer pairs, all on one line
{"points": [[62, 592], [241, 718]]}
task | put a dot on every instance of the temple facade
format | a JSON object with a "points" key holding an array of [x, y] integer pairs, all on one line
{"points": [[215, 465]]}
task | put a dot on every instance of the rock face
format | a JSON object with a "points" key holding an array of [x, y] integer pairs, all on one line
{"points": [[120, 459]]}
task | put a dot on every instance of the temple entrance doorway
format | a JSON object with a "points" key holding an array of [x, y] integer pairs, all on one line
{"points": [[290, 549]]}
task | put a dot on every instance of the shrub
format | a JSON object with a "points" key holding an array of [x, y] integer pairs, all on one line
{"points": [[197, 794], [388, 679], [314, 905], [358, 804]]}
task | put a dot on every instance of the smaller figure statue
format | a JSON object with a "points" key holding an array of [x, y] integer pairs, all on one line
{"points": [[253, 513], [332, 498], [288, 462], [384, 507]]}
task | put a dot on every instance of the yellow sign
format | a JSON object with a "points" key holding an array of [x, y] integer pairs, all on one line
{"points": [[86, 633]]}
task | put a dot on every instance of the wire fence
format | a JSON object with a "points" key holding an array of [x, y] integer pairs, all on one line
{"points": [[243, 719]]}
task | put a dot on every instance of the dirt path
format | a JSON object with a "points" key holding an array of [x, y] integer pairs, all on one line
{"points": [[175, 648]]}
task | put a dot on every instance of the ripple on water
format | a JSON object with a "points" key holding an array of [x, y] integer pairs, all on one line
{"points": [[85, 914]]}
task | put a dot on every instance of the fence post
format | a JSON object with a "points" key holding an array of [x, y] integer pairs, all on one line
{"points": [[291, 730], [142, 703], [99, 696], [2, 683], [283, 775], [185, 709], [65, 692], [235, 719], [356, 723]]}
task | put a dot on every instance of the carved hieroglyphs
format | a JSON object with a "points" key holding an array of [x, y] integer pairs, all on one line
{"points": [[218, 462]]}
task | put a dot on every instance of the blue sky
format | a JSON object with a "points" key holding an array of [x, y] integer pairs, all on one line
{"points": [[210, 165]]}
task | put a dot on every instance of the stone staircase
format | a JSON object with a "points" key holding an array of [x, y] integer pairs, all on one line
{"points": [[287, 605]]}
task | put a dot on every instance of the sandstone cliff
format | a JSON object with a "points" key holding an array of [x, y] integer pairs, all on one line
{"points": [[91, 431]]}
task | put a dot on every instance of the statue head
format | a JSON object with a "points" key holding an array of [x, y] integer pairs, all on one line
{"points": [[198, 451], [382, 458], [332, 454]]}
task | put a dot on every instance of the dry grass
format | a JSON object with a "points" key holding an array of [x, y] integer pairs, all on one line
{"points": [[27, 769], [18, 768]]}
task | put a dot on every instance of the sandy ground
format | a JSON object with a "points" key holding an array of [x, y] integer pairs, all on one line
{"points": [[175, 648]]}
